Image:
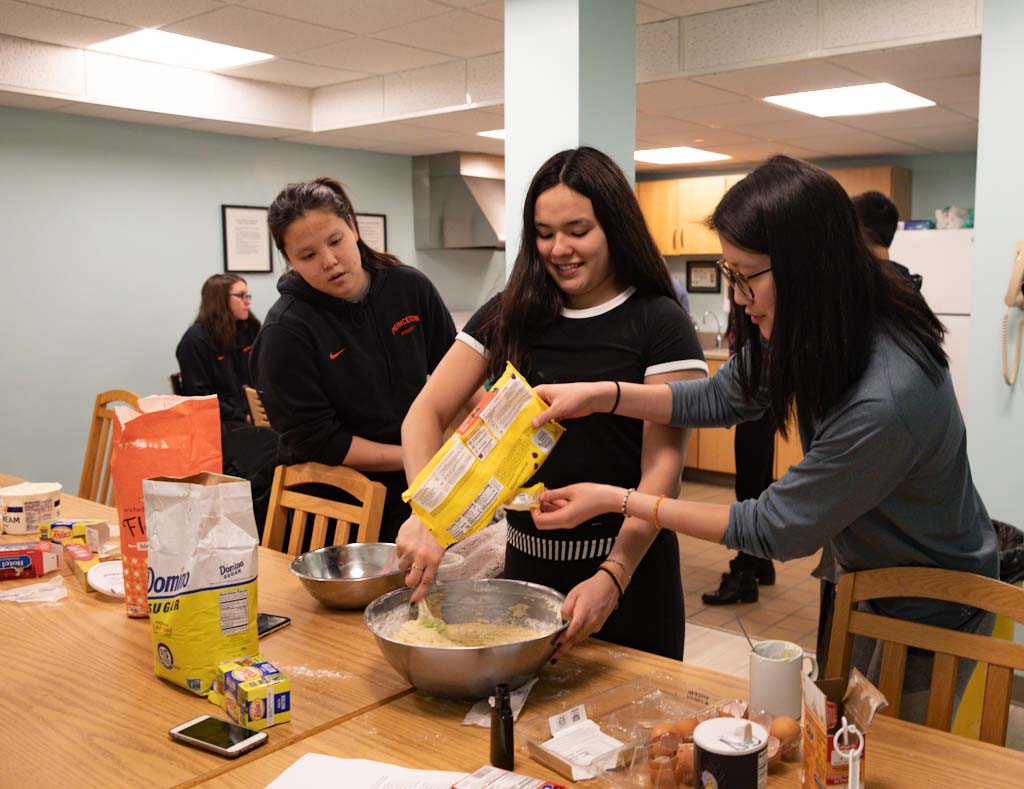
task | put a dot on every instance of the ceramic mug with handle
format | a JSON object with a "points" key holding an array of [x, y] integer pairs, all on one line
{"points": [[775, 677]]}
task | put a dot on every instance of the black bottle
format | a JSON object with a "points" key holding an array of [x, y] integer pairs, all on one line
{"points": [[502, 739]]}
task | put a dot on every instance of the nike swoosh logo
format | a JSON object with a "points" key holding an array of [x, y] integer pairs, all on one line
{"points": [[336, 354]]}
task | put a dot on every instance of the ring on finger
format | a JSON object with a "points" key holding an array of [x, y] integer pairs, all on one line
{"points": [[416, 567]]}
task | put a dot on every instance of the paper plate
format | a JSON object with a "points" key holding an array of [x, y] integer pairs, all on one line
{"points": [[108, 577]]}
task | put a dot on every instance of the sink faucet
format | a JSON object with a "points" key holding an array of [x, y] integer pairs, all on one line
{"points": [[718, 326]]}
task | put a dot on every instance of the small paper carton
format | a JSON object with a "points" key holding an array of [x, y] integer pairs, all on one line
{"points": [[253, 692], [28, 559], [826, 702], [93, 533], [79, 560]]}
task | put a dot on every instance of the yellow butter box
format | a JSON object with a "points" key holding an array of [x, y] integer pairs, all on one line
{"points": [[93, 533], [253, 692]]}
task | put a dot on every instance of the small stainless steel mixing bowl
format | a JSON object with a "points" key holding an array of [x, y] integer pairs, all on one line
{"points": [[469, 672], [349, 576]]}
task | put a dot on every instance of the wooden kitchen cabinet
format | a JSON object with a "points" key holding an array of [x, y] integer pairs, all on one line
{"points": [[659, 201], [698, 198], [788, 451], [893, 182], [715, 452]]}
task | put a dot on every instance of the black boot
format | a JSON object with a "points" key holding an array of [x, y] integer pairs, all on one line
{"points": [[765, 572], [763, 569], [736, 587]]}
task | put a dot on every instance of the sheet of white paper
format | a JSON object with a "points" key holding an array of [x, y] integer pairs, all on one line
{"points": [[581, 745], [317, 769], [480, 713]]}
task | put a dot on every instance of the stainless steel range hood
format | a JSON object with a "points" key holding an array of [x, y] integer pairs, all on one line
{"points": [[459, 201]]}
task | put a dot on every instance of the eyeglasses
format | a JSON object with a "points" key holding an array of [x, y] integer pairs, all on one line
{"points": [[739, 282], [243, 296]]}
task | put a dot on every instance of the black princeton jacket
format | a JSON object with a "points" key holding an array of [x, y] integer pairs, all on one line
{"points": [[328, 369], [206, 371]]}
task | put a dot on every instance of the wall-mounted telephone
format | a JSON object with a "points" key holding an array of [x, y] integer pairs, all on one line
{"points": [[1014, 298]]}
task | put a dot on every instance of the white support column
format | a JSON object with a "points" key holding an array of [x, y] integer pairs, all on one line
{"points": [[570, 80]]}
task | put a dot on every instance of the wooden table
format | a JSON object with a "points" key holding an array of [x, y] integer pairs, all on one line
{"points": [[94, 714], [90, 696]]}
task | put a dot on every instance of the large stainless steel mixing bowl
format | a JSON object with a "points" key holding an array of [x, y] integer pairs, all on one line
{"points": [[349, 576], [470, 672]]}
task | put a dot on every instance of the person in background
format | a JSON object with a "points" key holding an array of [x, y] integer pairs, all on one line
{"points": [[681, 294], [754, 451], [879, 218], [349, 343], [213, 357], [589, 297], [885, 479]]}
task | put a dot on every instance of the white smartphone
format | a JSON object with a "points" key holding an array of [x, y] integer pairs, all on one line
{"points": [[218, 736]]}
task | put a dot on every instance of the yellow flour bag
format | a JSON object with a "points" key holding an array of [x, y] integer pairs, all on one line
{"points": [[203, 553], [485, 462]]}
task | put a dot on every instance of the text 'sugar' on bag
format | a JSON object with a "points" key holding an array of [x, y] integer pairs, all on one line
{"points": [[484, 463], [203, 554], [167, 436]]}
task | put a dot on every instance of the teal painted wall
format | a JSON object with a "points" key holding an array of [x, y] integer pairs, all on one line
{"points": [[109, 231]]}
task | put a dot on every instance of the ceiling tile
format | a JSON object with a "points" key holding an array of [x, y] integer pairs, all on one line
{"points": [[726, 116], [125, 115], [462, 3], [244, 27], [946, 90], [781, 78], [905, 119], [848, 24], [475, 144], [968, 108], [24, 101], [411, 148], [371, 56], [690, 7], [492, 10], [648, 13], [140, 13], [668, 94], [954, 137], [55, 27], [335, 139], [855, 144], [651, 124], [359, 16], [783, 131], [290, 72], [396, 132], [706, 139], [239, 129], [951, 58], [463, 121], [459, 33], [759, 151]]}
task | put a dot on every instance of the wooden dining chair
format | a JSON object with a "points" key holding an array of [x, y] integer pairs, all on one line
{"points": [[1000, 657], [256, 409], [94, 484], [284, 500]]}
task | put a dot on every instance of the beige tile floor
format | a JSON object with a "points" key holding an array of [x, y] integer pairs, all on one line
{"points": [[788, 610]]}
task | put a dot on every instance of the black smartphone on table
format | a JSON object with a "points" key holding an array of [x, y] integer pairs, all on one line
{"points": [[221, 737], [268, 623]]}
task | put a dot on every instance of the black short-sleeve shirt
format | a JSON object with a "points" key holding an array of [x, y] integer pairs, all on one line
{"points": [[625, 339]]}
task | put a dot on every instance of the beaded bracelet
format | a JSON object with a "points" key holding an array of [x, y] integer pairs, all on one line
{"points": [[625, 499], [657, 503], [618, 584]]}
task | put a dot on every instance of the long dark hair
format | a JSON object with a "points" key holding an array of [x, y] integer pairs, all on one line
{"points": [[215, 312], [531, 300], [831, 296], [321, 194]]}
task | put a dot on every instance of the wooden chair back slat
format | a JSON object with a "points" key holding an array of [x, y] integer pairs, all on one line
{"points": [[256, 409], [999, 656], [894, 663], [942, 694], [283, 499], [94, 482]]}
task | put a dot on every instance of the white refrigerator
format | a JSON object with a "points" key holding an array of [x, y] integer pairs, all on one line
{"points": [[943, 259]]}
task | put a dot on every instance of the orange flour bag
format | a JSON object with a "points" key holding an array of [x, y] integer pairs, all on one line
{"points": [[168, 436]]}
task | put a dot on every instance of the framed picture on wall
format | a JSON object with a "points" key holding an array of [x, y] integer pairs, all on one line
{"points": [[247, 247], [703, 276], [373, 229]]}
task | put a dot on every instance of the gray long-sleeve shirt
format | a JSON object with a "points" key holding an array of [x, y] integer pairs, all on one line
{"points": [[884, 482]]}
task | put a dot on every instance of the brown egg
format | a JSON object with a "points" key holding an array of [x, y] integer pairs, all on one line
{"points": [[785, 728], [662, 773], [661, 729], [684, 764], [774, 754], [737, 708], [664, 740], [684, 728]]}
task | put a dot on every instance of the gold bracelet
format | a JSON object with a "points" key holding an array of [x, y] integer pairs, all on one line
{"points": [[618, 584], [657, 503]]}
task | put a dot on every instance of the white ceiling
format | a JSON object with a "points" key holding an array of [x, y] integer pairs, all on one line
{"points": [[329, 42]]}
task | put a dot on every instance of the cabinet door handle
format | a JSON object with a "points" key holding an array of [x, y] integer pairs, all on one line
{"points": [[675, 232], [682, 244]]}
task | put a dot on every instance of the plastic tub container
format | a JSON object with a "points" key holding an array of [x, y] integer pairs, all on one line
{"points": [[28, 504]]}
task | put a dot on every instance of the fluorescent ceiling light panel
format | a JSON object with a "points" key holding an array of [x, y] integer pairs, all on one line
{"points": [[496, 134], [854, 100], [159, 46], [681, 155]]}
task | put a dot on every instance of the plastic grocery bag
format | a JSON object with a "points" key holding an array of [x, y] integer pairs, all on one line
{"points": [[167, 436], [483, 464], [203, 555]]}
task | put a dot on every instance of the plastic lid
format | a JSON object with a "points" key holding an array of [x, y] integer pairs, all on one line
{"points": [[729, 737], [108, 577], [31, 489]]}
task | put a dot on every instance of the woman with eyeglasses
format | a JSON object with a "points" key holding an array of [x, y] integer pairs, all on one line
{"points": [[213, 355], [885, 480]]}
